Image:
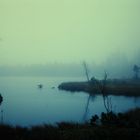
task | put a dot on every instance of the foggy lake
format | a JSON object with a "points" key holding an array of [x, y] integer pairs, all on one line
{"points": [[25, 104]]}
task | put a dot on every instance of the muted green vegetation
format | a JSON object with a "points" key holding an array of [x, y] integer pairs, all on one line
{"points": [[107, 126], [112, 126]]}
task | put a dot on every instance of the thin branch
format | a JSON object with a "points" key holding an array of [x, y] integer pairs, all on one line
{"points": [[86, 70]]}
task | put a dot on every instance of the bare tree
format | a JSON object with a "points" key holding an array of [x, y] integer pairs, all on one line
{"points": [[106, 98], [86, 70], [101, 85]]}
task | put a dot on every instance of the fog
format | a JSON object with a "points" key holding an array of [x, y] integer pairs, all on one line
{"points": [[117, 66], [51, 37]]}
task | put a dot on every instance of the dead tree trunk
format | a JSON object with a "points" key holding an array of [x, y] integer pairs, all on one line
{"points": [[102, 86], [86, 70]]}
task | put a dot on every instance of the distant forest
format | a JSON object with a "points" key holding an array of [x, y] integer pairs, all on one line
{"points": [[68, 70]]}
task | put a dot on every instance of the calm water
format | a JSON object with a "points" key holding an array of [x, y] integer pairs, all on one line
{"points": [[25, 104]]}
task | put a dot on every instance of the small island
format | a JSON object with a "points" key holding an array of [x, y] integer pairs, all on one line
{"points": [[126, 87], [93, 86]]}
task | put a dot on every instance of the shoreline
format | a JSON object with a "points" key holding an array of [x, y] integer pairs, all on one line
{"points": [[113, 87], [122, 126]]}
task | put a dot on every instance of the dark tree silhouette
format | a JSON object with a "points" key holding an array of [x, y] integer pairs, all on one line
{"points": [[86, 70], [136, 70], [103, 90], [1, 99]]}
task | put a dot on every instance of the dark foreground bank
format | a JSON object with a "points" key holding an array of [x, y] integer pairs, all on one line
{"points": [[112, 127], [113, 87]]}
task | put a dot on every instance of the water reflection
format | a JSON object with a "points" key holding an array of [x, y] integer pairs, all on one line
{"points": [[24, 106], [86, 111]]}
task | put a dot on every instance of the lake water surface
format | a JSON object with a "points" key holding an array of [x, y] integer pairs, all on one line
{"points": [[25, 104]]}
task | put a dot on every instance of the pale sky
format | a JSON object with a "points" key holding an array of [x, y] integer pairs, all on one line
{"points": [[67, 31]]}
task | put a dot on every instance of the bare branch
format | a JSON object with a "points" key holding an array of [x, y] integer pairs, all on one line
{"points": [[86, 70]]}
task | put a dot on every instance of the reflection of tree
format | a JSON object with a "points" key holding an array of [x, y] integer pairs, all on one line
{"points": [[90, 97], [86, 108], [103, 90]]}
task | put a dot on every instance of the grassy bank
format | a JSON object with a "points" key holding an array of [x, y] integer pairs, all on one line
{"points": [[112, 127], [126, 88]]}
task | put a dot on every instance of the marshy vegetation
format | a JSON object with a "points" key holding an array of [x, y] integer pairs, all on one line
{"points": [[107, 126]]}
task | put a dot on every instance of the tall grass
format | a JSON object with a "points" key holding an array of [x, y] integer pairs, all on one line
{"points": [[126, 126]]}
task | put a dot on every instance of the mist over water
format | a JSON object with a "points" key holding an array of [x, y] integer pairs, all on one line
{"points": [[117, 66], [45, 43]]}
